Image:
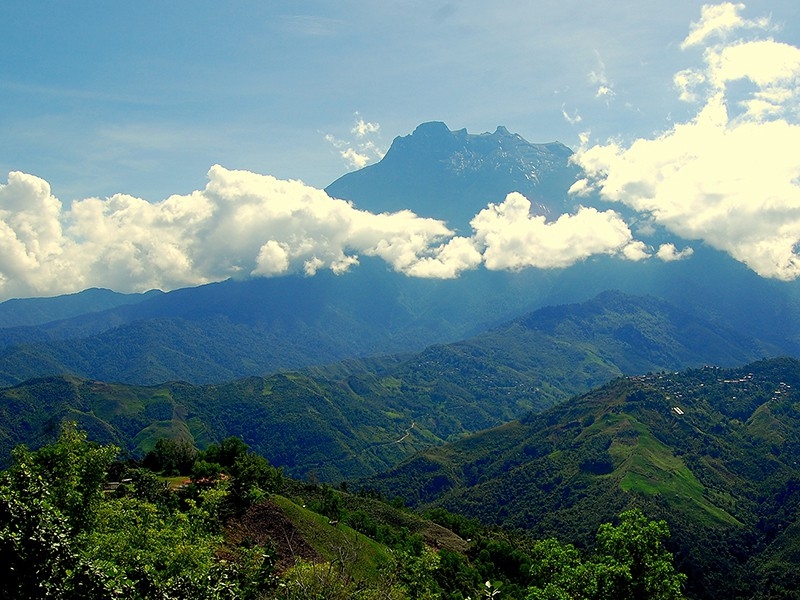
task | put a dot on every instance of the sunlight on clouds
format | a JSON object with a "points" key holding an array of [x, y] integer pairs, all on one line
{"points": [[514, 239], [669, 253], [354, 159], [725, 176], [448, 261], [720, 20], [363, 128], [34, 253], [243, 224]]}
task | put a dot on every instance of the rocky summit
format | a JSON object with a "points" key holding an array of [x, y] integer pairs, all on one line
{"points": [[453, 175]]}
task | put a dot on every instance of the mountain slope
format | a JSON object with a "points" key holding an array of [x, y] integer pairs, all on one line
{"points": [[713, 451], [21, 312], [235, 329], [356, 418]]}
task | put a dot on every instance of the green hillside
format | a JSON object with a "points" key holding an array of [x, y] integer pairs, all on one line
{"points": [[715, 452], [357, 418], [76, 524]]}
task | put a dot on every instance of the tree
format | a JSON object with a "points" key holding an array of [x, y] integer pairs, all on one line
{"points": [[171, 457], [226, 453], [560, 573], [47, 499], [148, 487], [252, 478], [72, 471], [629, 563], [635, 563], [151, 552]]}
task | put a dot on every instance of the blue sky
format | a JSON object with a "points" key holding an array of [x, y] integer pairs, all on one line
{"points": [[144, 98]]}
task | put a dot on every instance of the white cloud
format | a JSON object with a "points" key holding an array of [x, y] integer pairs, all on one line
{"points": [[572, 119], [636, 251], [726, 176], [365, 148], [514, 239], [355, 159], [720, 20], [363, 128], [448, 260], [243, 224], [32, 242], [669, 253], [599, 78]]}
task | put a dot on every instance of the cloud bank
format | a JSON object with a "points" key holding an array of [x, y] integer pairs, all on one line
{"points": [[243, 224], [729, 176]]}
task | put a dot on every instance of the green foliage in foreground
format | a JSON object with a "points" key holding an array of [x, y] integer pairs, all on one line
{"points": [[629, 563], [64, 534]]}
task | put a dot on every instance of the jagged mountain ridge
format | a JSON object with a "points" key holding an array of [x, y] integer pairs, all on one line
{"points": [[452, 175]]}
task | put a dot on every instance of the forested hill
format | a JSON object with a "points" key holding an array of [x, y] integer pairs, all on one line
{"points": [[715, 452], [357, 418], [225, 524]]}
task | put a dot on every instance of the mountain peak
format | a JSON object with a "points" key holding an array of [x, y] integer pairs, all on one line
{"points": [[434, 169], [432, 128]]}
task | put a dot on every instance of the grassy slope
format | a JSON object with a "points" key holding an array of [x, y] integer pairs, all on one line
{"points": [[724, 474]]}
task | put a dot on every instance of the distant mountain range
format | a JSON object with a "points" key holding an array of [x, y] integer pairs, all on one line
{"points": [[356, 418], [232, 329], [29, 312]]}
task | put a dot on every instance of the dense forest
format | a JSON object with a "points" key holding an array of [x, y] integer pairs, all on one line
{"points": [[223, 523]]}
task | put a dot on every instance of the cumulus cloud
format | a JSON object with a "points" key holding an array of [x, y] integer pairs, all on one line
{"points": [[243, 224], [363, 128], [514, 239], [725, 176], [448, 260], [669, 253], [32, 241], [720, 20]]}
